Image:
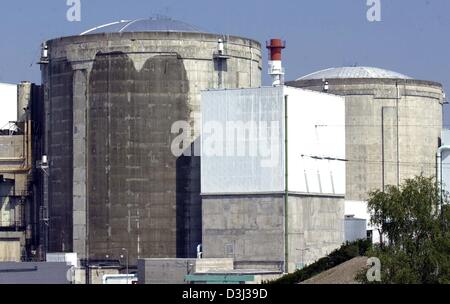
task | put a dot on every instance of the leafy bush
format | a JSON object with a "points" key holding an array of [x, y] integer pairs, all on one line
{"points": [[346, 252]]}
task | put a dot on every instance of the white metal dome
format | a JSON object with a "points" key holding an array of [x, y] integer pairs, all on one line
{"points": [[354, 72], [157, 24]]}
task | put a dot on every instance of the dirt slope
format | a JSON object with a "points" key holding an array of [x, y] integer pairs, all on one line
{"points": [[342, 274]]}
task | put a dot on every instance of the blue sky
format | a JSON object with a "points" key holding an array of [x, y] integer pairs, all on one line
{"points": [[412, 38]]}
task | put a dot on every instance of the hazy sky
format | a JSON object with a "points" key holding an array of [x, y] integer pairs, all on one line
{"points": [[412, 38]]}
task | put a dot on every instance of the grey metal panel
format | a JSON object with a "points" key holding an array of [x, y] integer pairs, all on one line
{"points": [[355, 229], [35, 273], [445, 140]]}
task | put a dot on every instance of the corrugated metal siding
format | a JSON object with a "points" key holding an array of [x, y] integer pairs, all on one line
{"points": [[238, 164]]}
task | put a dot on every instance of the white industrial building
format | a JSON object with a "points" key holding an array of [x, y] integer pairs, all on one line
{"points": [[445, 161], [355, 212], [8, 104], [273, 192], [243, 144]]}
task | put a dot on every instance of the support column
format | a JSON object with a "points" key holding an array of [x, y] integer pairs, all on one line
{"points": [[389, 146], [80, 203]]}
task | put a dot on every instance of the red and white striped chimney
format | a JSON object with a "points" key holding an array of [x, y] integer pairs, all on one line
{"points": [[276, 70]]}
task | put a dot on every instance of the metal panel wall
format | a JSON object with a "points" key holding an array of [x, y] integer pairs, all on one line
{"points": [[316, 142], [242, 141], [316, 129]]}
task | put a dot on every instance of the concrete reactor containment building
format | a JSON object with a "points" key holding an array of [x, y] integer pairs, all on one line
{"points": [[393, 126], [111, 97]]}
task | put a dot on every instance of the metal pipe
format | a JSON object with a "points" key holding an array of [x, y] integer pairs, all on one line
{"points": [[251, 65], [276, 71], [286, 188], [30, 142], [398, 145], [382, 149], [126, 250], [16, 159]]}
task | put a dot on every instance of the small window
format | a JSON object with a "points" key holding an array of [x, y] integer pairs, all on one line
{"points": [[369, 235], [229, 249]]}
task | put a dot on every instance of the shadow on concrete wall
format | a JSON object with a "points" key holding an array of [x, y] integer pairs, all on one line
{"points": [[189, 204]]}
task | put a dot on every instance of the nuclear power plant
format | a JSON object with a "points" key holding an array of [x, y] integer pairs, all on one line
{"points": [[151, 150]]}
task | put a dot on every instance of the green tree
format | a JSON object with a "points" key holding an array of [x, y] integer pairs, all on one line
{"points": [[414, 222]]}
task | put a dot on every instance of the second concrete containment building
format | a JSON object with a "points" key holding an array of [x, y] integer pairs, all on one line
{"points": [[393, 126], [112, 95]]}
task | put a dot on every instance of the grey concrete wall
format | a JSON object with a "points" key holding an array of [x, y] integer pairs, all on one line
{"points": [[389, 148], [60, 157], [316, 228], [24, 95], [410, 141], [38, 145], [212, 265], [250, 229], [113, 97], [131, 170], [173, 271], [46, 76], [79, 207], [164, 271]]}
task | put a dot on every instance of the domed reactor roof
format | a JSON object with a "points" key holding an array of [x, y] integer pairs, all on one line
{"points": [[158, 24], [353, 73]]}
